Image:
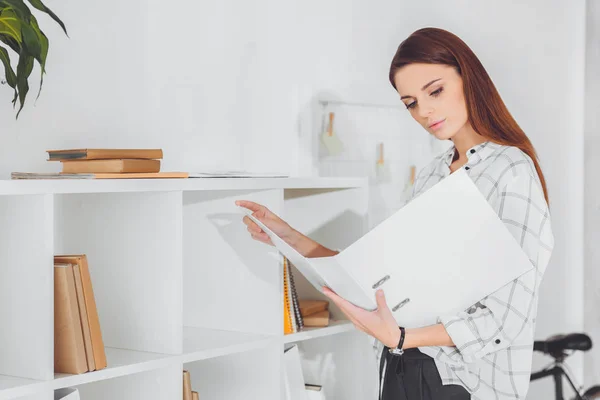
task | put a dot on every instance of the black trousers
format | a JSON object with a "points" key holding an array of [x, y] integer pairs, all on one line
{"points": [[414, 376]]}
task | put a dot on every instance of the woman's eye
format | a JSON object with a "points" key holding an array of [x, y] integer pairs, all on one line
{"points": [[437, 92], [411, 105]]}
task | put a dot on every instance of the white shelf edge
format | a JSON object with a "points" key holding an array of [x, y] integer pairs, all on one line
{"points": [[153, 361], [222, 343], [25, 387], [334, 328], [10, 187]]}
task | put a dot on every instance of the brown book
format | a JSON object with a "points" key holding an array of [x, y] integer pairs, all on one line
{"points": [[87, 334], [195, 396], [90, 303], [101, 154], [309, 307], [319, 319], [132, 175], [187, 385], [69, 349], [111, 166]]}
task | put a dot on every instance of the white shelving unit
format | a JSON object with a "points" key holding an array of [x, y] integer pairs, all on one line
{"points": [[179, 284]]}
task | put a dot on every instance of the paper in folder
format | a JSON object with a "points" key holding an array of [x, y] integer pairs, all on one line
{"points": [[441, 253]]}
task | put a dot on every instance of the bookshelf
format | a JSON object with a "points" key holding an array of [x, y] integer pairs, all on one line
{"points": [[179, 284]]}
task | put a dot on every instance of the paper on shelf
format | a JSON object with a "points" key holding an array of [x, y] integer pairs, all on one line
{"points": [[438, 255], [234, 174]]}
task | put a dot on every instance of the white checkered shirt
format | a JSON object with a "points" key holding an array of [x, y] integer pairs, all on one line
{"points": [[494, 338]]}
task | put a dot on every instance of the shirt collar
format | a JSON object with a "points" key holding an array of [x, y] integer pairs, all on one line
{"points": [[481, 150]]}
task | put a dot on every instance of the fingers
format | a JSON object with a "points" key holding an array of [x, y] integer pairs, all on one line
{"points": [[250, 205], [252, 226]]}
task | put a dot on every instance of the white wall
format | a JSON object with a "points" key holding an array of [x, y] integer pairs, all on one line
{"points": [[592, 190], [206, 81], [232, 84]]}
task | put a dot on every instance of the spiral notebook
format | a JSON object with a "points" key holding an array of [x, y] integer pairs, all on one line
{"points": [[424, 268]]}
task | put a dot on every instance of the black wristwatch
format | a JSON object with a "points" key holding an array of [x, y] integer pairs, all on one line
{"points": [[398, 349]]}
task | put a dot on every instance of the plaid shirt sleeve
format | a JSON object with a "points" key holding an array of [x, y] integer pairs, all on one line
{"points": [[493, 323]]}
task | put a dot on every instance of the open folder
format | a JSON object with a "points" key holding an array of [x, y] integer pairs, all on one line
{"points": [[440, 254]]}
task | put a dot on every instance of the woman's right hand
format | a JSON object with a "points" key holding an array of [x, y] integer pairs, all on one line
{"points": [[270, 219]]}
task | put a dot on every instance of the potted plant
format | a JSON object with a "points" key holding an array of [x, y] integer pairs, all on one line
{"points": [[20, 32]]}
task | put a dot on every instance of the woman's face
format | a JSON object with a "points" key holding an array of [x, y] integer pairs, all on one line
{"points": [[434, 95]]}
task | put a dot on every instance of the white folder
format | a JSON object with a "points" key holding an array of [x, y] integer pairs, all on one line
{"points": [[438, 255]]}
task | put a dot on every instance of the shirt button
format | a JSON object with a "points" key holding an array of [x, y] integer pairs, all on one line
{"points": [[472, 151], [497, 341], [467, 168]]}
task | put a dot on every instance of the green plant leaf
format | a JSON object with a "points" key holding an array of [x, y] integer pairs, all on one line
{"points": [[10, 24], [11, 42], [24, 69], [11, 77], [20, 8], [40, 6], [31, 42], [44, 45]]}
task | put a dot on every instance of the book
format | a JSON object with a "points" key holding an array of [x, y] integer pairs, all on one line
{"points": [[87, 333], [288, 320], [294, 293], [317, 320], [195, 396], [187, 385], [309, 307], [133, 175], [90, 303], [110, 166], [99, 154], [69, 349], [424, 271]]}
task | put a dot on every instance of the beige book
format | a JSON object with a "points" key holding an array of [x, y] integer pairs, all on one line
{"points": [[110, 166], [308, 307], [69, 349], [319, 319], [187, 385], [90, 303], [87, 335]]}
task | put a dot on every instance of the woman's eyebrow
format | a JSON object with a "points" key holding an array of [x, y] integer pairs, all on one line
{"points": [[423, 88]]}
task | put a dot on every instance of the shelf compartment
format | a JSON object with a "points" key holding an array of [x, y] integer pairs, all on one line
{"points": [[133, 245], [202, 344]]}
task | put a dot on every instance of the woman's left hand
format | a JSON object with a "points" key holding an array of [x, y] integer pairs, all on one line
{"points": [[379, 323]]}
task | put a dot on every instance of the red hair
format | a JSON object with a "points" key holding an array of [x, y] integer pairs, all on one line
{"points": [[488, 114]]}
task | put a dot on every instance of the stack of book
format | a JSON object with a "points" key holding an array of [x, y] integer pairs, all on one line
{"points": [[188, 394], [297, 313], [78, 344], [104, 164]]}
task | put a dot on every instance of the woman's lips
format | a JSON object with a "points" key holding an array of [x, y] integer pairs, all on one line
{"points": [[437, 125]]}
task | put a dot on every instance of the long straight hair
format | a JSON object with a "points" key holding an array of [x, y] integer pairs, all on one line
{"points": [[487, 113]]}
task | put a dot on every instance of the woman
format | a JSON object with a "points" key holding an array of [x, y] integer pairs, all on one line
{"points": [[484, 352]]}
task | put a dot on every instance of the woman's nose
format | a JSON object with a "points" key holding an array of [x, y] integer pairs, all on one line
{"points": [[425, 111]]}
